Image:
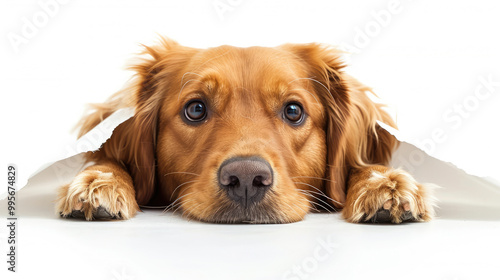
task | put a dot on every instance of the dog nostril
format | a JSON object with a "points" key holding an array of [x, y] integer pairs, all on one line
{"points": [[233, 181], [259, 181]]}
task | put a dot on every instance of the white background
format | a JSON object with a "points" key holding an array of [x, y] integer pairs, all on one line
{"points": [[426, 59]]}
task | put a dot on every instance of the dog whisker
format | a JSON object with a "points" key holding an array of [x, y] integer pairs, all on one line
{"points": [[178, 205], [172, 206], [328, 210], [173, 203], [185, 211], [293, 209], [193, 181], [179, 96], [317, 102], [322, 193], [213, 216], [206, 208], [318, 198], [173, 213], [310, 201], [192, 73], [315, 203], [184, 189], [192, 208], [302, 203]]}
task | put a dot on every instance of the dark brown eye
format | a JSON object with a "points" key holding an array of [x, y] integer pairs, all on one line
{"points": [[294, 113], [195, 111]]}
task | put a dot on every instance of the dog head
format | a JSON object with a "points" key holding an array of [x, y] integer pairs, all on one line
{"points": [[240, 134]]}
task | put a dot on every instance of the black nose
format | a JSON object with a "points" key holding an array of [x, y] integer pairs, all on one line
{"points": [[245, 179]]}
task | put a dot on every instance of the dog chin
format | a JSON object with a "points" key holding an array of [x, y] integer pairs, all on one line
{"points": [[233, 213]]}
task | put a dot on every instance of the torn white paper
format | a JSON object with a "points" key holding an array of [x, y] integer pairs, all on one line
{"points": [[91, 141]]}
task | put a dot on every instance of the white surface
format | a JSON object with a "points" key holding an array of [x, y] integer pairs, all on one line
{"points": [[427, 62]]}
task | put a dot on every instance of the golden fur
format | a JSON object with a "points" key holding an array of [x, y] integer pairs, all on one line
{"points": [[155, 158]]}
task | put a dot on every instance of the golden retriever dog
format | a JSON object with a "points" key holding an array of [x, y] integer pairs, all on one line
{"points": [[245, 135]]}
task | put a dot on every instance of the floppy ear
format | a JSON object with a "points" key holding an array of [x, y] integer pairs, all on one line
{"points": [[325, 68], [133, 143]]}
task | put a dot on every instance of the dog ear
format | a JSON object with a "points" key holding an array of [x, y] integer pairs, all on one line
{"points": [[141, 133], [133, 143], [325, 70]]}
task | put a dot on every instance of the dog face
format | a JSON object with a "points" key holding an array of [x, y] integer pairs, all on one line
{"points": [[240, 134], [251, 129]]}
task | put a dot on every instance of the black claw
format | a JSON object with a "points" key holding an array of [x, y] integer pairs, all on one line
{"points": [[383, 216], [77, 214], [103, 213], [407, 216], [100, 213]]}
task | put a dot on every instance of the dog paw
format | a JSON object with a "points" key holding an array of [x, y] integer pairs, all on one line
{"points": [[390, 196], [97, 195]]}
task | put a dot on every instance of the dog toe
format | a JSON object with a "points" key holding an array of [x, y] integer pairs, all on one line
{"points": [[102, 213]]}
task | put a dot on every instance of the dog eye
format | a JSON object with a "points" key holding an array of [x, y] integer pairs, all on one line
{"points": [[195, 111], [294, 113]]}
